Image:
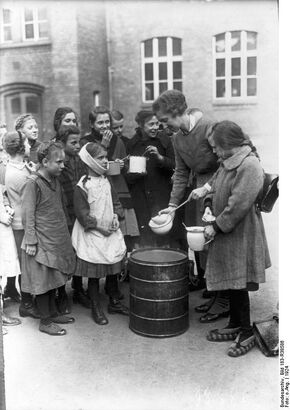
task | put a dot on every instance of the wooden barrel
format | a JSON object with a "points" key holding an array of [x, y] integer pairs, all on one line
{"points": [[158, 292]]}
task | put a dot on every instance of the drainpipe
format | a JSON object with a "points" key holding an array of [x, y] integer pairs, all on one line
{"points": [[108, 44]]}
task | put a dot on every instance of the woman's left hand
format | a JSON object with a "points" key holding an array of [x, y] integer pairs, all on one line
{"points": [[209, 232], [151, 150]]}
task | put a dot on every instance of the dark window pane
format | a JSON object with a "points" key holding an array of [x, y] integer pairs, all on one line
{"points": [[162, 46], [162, 87], [177, 70], [149, 92], [15, 105], [220, 88], [28, 15], [42, 15], [236, 40], [236, 66], [252, 65], [162, 71], [220, 43], [6, 16], [7, 34], [32, 104], [29, 31], [236, 88], [220, 67], [148, 48], [43, 30], [149, 72], [177, 85], [176, 47], [251, 40], [251, 86]]}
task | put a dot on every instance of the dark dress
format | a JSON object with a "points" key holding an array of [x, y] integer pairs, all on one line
{"points": [[150, 193]]}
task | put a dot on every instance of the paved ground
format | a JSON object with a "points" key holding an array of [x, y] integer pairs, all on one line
{"points": [[112, 368]]}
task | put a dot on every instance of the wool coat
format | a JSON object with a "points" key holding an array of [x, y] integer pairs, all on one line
{"points": [[239, 254]]}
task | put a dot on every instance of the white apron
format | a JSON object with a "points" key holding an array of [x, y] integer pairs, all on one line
{"points": [[92, 246]]}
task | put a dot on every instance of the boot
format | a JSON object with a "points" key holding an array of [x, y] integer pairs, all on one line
{"points": [[98, 314], [28, 310], [115, 306]]}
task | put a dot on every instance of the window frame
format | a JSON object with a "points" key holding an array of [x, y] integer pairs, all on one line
{"points": [[3, 25], [155, 60], [228, 55], [35, 22]]}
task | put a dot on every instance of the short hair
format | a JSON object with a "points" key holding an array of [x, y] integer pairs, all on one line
{"points": [[170, 102], [64, 132], [13, 143], [117, 115], [46, 149], [142, 116], [59, 115], [101, 109], [21, 120]]}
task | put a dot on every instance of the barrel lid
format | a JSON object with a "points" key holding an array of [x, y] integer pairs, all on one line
{"points": [[158, 256]]}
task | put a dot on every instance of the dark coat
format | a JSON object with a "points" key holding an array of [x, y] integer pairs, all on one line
{"points": [[150, 193], [239, 254]]}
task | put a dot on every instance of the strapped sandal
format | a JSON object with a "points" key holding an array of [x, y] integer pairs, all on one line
{"points": [[220, 309], [223, 335], [205, 307], [240, 348]]}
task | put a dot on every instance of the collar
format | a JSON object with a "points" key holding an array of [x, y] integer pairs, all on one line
{"points": [[235, 160], [193, 119]]}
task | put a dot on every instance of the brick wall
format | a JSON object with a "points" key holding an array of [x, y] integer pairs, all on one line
{"points": [[196, 22]]}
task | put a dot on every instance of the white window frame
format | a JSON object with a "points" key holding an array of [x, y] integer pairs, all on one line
{"points": [[228, 54], [3, 25], [35, 22], [155, 60]]}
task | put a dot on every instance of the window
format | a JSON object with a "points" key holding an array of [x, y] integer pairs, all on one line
{"points": [[161, 66], [235, 66], [6, 25], [35, 24], [17, 103]]}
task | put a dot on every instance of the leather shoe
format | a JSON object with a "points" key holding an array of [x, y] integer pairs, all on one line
{"points": [[115, 306], [10, 321], [51, 329], [12, 293], [63, 320], [28, 310], [98, 314], [82, 299]]}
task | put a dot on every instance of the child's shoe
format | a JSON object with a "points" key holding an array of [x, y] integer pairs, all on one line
{"points": [[10, 321], [115, 306], [28, 310], [242, 345], [98, 314], [12, 293], [223, 335], [51, 328], [63, 320]]}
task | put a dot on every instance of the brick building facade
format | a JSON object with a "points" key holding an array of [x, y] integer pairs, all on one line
{"points": [[222, 54]]}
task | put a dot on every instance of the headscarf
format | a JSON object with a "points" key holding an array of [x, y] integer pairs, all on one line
{"points": [[89, 160]]}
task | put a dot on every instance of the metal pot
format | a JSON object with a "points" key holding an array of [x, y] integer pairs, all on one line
{"points": [[137, 165], [114, 168]]}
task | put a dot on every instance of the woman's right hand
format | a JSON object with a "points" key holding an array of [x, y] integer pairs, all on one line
{"points": [[106, 138], [169, 210], [198, 193]]}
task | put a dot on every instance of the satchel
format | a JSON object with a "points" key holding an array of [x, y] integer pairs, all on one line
{"points": [[267, 335], [269, 193]]}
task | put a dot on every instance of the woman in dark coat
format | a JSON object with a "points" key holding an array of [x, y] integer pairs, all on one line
{"points": [[238, 254], [150, 192]]}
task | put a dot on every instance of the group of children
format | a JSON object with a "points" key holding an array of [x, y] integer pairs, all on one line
{"points": [[60, 216]]}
